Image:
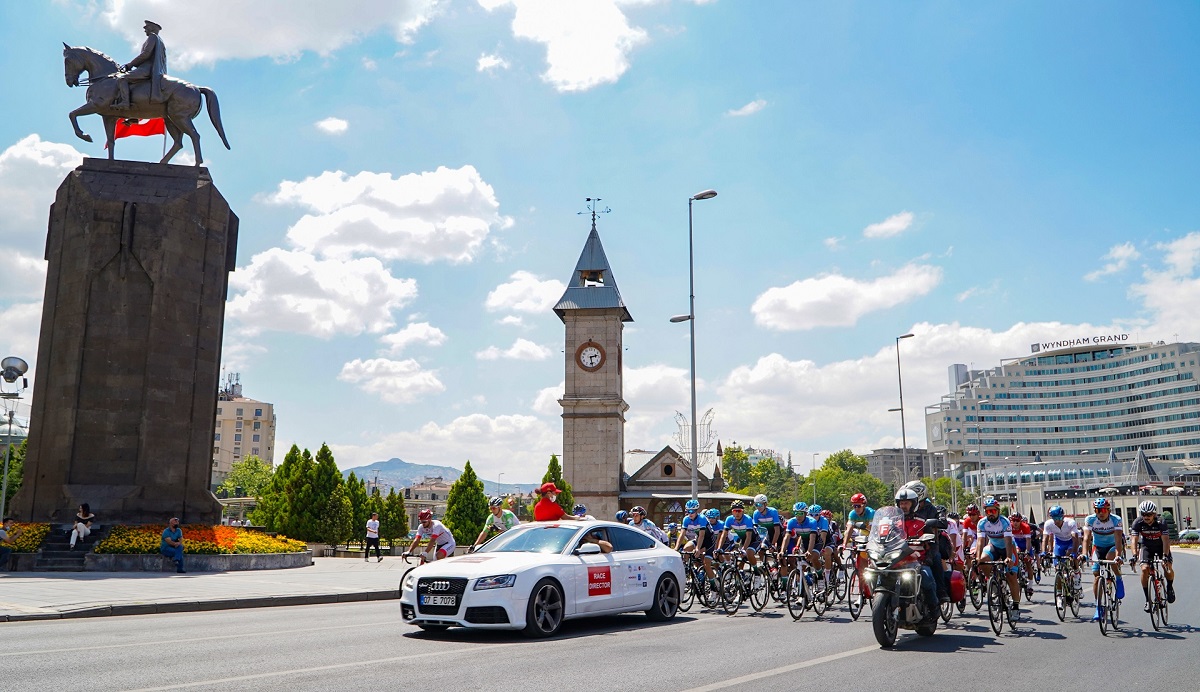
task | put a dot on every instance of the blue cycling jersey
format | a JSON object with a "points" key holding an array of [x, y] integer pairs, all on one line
{"points": [[995, 531], [692, 527], [1104, 533], [765, 520]]}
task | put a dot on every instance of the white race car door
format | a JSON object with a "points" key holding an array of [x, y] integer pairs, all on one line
{"points": [[596, 586], [639, 568]]}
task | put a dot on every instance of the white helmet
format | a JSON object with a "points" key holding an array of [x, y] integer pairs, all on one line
{"points": [[917, 487], [1148, 507], [907, 493], [760, 499]]}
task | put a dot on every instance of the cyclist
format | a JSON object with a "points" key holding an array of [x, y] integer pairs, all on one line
{"points": [[581, 512], [441, 541], [859, 519], [767, 521], [1022, 535], [996, 543], [1063, 533], [955, 530], [796, 538], [1103, 539], [739, 525], [500, 521], [622, 517], [820, 554], [701, 532], [1150, 540], [639, 521]]}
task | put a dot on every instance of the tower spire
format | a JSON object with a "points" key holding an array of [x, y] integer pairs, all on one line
{"points": [[593, 204]]}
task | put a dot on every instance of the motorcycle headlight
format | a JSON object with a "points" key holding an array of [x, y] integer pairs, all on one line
{"points": [[907, 576], [410, 582], [870, 575], [500, 581]]}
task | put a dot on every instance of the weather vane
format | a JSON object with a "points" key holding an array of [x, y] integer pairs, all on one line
{"points": [[592, 208]]}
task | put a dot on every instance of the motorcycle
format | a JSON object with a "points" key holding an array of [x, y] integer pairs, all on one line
{"points": [[895, 576]]}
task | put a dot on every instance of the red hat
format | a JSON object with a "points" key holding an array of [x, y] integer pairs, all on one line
{"points": [[548, 488]]}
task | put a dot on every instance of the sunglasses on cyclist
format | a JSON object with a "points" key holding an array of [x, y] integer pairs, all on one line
{"points": [[1149, 514], [856, 504], [737, 509]]}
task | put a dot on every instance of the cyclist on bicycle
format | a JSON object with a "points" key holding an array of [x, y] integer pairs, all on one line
{"points": [[622, 517], [639, 521], [858, 522], [440, 540], [500, 521], [996, 544], [701, 531], [768, 522], [1150, 540], [969, 524], [1022, 535], [820, 554], [1103, 539], [835, 531], [796, 537], [739, 525], [1063, 533]]}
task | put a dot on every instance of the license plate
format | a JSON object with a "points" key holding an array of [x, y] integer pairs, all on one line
{"points": [[439, 600]]}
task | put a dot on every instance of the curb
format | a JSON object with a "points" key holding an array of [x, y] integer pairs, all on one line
{"points": [[197, 606]]}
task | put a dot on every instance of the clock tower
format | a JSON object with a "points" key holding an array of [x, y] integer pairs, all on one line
{"points": [[593, 400]]}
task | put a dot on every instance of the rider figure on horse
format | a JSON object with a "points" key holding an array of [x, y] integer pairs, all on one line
{"points": [[150, 64]]}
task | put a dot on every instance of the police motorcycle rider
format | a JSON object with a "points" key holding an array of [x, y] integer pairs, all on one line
{"points": [[925, 509], [886, 546]]}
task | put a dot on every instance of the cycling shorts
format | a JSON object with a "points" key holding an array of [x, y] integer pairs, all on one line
{"points": [[1062, 548], [993, 553], [1102, 552], [1146, 553]]}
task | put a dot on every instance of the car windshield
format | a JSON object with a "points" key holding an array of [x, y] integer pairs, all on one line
{"points": [[550, 538]]}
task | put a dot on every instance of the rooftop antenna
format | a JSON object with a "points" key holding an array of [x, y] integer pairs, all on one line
{"points": [[593, 204]]}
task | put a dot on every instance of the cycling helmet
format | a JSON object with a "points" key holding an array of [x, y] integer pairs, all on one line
{"points": [[918, 487], [622, 516], [496, 502], [972, 509], [424, 515], [907, 493], [579, 510], [814, 510], [858, 499], [672, 526], [760, 499], [692, 506], [1148, 507], [713, 513], [736, 504], [990, 503], [638, 509], [941, 510], [954, 516], [1014, 517], [799, 508], [1057, 512], [827, 514], [1102, 503]]}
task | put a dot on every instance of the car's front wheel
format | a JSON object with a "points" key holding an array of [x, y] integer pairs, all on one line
{"points": [[666, 599], [544, 614]]}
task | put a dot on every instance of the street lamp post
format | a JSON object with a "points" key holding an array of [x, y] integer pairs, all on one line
{"points": [[903, 434], [691, 319], [13, 369]]}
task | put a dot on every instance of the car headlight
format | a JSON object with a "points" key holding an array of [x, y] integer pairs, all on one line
{"points": [[500, 581], [410, 582]]}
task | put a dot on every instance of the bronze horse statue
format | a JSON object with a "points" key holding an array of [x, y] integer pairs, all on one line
{"points": [[180, 105]]}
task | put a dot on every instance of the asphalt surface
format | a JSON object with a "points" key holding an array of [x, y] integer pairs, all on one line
{"points": [[365, 646]]}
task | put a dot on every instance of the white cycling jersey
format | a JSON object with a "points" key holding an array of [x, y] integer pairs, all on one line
{"points": [[1063, 534]]}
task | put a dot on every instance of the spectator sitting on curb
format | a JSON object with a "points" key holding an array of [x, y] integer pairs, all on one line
{"points": [[6, 540], [172, 544]]}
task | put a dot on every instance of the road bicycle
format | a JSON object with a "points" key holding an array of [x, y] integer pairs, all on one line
{"points": [[975, 585], [1067, 589], [696, 585], [740, 582], [999, 601], [1158, 595], [1109, 604], [857, 594], [807, 589]]}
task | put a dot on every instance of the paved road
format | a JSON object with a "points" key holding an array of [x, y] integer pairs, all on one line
{"points": [[325, 646]]}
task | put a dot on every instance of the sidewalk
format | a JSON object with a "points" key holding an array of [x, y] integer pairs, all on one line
{"points": [[50, 595]]}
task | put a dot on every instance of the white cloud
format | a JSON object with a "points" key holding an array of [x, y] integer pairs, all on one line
{"points": [[292, 291], [424, 217], [891, 226], [517, 445], [394, 381], [1119, 257], [511, 321], [205, 31], [546, 401], [833, 243], [30, 172], [1171, 293], [525, 292], [749, 109], [369, 64], [522, 349], [333, 126], [488, 62], [963, 296], [833, 300], [22, 326], [413, 333], [587, 43]]}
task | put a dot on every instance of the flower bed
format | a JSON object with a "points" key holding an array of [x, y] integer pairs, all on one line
{"points": [[198, 539], [30, 537]]}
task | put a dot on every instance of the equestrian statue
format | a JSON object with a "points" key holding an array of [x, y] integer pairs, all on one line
{"points": [[138, 90]]}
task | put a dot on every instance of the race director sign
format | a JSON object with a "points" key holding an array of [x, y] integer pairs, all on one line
{"points": [[1099, 340], [599, 581]]}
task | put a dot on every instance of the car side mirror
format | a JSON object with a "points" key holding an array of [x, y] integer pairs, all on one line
{"points": [[588, 549]]}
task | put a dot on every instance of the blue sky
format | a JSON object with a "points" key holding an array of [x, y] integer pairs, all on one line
{"points": [[408, 176]]}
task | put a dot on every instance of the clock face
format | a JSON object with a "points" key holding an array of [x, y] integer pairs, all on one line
{"points": [[590, 356]]}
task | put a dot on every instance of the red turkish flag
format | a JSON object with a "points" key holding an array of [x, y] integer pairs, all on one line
{"points": [[129, 127]]}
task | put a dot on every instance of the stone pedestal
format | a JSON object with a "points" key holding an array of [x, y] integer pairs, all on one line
{"points": [[129, 360]]}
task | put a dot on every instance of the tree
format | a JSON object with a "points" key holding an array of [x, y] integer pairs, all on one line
{"points": [[16, 469], [271, 510], [304, 507], [249, 477], [847, 461], [466, 507], [554, 475], [393, 521], [941, 492], [735, 465], [336, 528], [356, 490]]}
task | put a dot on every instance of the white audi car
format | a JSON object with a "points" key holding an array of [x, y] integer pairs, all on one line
{"points": [[535, 576]]}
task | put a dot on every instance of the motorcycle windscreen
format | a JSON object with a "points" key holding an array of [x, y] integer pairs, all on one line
{"points": [[887, 532]]}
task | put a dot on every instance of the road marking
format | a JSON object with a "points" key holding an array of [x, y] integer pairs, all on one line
{"points": [[783, 669], [333, 666], [158, 642]]}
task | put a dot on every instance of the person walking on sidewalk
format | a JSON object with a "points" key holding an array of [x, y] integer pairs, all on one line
{"points": [[172, 543], [373, 538]]}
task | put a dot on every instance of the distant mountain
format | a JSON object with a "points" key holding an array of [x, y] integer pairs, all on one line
{"points": [[399, 473]]}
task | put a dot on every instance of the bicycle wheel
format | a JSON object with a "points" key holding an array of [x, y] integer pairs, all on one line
{"points": [[1061, 594], [996, 606], [854, 596], [731, 589], [1076, 593], [975, 590], [1012, 614], [688, 597], [795, 596], [1162, 603], [819, 592], [841, 584], [1155, 591], [758, 589], [1114, 612], [1102, 602]]}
